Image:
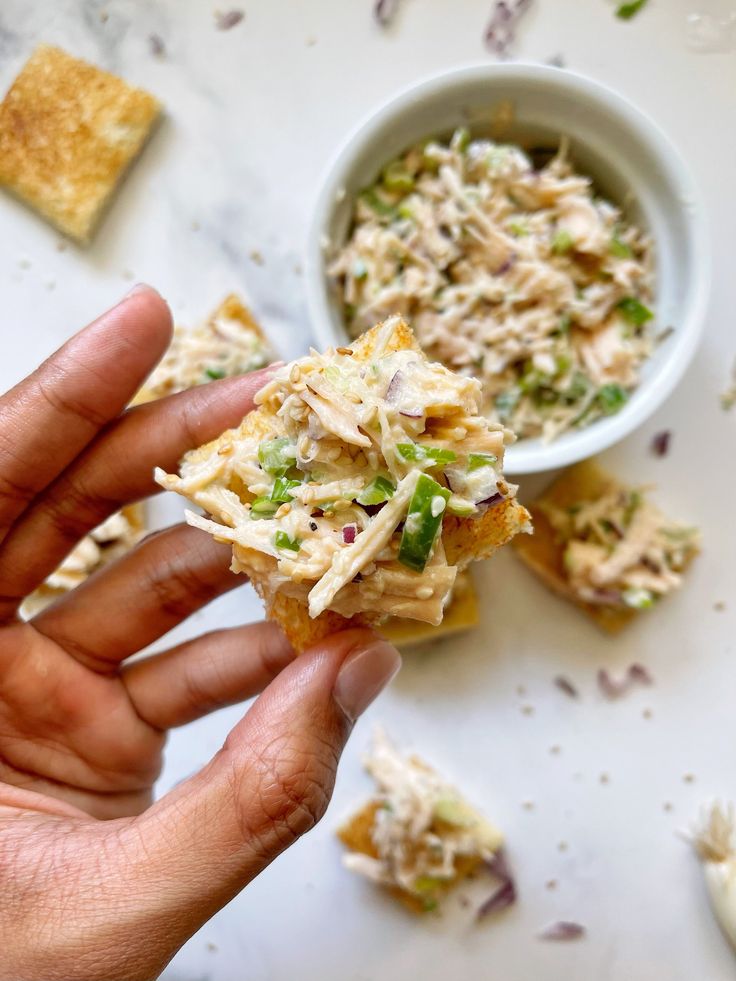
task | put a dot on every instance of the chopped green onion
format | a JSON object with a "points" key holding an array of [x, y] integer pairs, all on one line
{"points": [[276, 456], [532, 379], [638, 599], [564, 324], [377, 204], [563, 363], [419, 453], [635, 311], [578, 387], [628, 10], [423, 521], [405, 210], [620, 249], [562, 242], [460, 139], [214, 373], [478, 460], [282, 540], [263, 507], [397, 178], [611, 398], [507, 401], [379, 490], [518, 229], [426, 883], [282, 487]]}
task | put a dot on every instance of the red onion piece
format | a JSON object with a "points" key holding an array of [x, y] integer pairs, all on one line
{"points": [[564, 684], [348, 533], [491, 501], [637, 672], [385, 10], [501, 31], [660, 445], [563, 930], [411, 413], [223, 22], [616, 687], [505, 266], [156, 45], [505, 895], [394, 386]]}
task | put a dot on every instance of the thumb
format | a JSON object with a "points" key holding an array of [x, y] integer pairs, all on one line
{"points": [[268, 785]]}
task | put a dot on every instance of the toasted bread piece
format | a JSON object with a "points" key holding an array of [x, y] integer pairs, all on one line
{"points": [[464, 539], [68, 132], [356, 835], [544, 551], [461, 614]]}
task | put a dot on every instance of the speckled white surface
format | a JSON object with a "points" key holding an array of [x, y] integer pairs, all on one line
{"points": [[254, 116]]}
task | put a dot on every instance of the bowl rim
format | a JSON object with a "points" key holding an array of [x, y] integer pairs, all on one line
{"points": [[533, 456]]}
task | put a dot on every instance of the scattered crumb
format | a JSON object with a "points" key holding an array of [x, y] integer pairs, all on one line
{"points": [[528, 805], [156, 45], [24, 262], [224, 21], [555, 750], [61, 246], [464, 901], [557, 61], [310, 42], [128, 274], [562, 846], [520, 690], [668, 806], [195, 226], [647, 713], [550, 884], [604, 778], [719, 607], [688, 778], [298, 269], [728, 398], [50, 284], [527, 710], [566, 686], [660, 444], [257, 257], [104, 16], [211, 947]]}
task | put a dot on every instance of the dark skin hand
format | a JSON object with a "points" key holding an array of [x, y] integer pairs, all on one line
{"points": [[97, 881]]}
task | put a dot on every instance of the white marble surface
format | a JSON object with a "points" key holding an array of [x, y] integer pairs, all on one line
{"points": [[253, 117]]}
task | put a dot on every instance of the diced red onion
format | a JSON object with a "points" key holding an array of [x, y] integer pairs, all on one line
{"points": [[605, 597], [501, 31], [394, 386], [637, 672], [491, 501], [505, 895], [660, 445], [157, 46], [563, 930], [505, 266], [348, 533], [229, 19], [616, 687], [564, 684], [385, 10], [411, 413]]}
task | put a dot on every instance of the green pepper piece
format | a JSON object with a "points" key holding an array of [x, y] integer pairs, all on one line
{"points": [[478, 460], [397, 178], [263, 507], [460, 139], [634, 311], [628, 10], [620, 249], [562, 242], [518, 229], [276, 456], [214, 373], [282, 487], [611, 398], [419, 453], [423, 521], [282, 540], [376, 203], [379, 490]]}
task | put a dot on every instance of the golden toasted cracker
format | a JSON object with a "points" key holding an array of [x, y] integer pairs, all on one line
{"points": [[465, 539], [544, 551], [356, 834], [68, 133], [460, 615], [233, 308]]}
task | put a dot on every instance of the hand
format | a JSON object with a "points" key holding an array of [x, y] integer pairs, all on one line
{"points": [[82, 729]]}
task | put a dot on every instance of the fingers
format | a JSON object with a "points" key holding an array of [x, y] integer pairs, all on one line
{"points": [[268, 785], [115, 469], [207, 673], [49, 417], [133, 602]]}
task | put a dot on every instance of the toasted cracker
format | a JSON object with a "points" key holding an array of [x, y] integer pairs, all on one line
{"points": [[465, 539], [461, 614], [356, 836], [544, 551], [68, 133]]}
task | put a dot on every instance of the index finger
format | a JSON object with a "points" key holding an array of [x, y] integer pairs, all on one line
{"points": [[48, 418]]}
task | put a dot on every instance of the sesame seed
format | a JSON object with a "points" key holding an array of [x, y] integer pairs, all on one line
{"points": [[437, 506], [348, 352]]}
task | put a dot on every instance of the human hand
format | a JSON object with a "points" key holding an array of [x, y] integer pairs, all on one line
{"points": [[96, 881]]}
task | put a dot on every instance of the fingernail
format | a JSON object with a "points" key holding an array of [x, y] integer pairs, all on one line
{"points": [[363, 675], [138, 288]]}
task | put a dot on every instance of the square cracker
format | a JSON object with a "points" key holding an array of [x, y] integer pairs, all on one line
{"points": [[461, 614], [68, 132], [465, 539], [544, 552]]}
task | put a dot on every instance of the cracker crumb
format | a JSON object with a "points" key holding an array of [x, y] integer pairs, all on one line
{"points": [[520, 690], [298, 269], [128, 274], [104, 16], [257, 257], [61, 246], [647, 713], [50, 284], [24, 262], [604, 778], [550, 884], [668, 806], [528, 805], [688, 778], [310, 42], [719, 606], [527, 710], [195, 226], [562, 846], [211, 947], [555, 750]]}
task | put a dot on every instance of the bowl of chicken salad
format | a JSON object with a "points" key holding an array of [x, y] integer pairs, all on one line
{"points": [[538, 232]]}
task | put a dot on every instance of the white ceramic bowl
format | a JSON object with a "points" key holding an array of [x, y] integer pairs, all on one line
{"points": [[633, 164]]}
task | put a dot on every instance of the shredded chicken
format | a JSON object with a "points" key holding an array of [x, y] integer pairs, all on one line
{"points": [[620, 550], [345, 495], [521, 277], [421, 826]]}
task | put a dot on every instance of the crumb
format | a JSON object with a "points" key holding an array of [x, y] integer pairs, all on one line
{"points": [[528, 805], [688, 778], [562, 846], [527, 710], [50, 284], [647, 713], [668, 806], [604, 778], [464, 901], [298, 269], [555, 750], [257, 257], [104, 16], [24, 262], [61, 246], [156, 45], [128, 274], [310, 42], [719, 607], [195, 226], [211, 947], [557, 61], [550, 884], [520, 691], [224, 21]]}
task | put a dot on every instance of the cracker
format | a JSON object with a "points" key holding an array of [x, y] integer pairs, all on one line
{"points": [[68, 133], [462, 614]]}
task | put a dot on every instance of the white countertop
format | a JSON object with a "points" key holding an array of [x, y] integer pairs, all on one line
{"points": [[253, 117]]}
